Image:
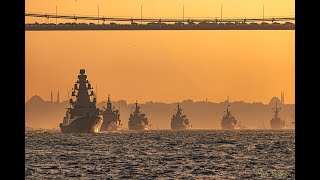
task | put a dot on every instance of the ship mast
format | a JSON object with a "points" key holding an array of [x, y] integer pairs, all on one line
{"points": [[109, 103], [179, 109], [137, 108], [119, 113], [276, 111], [228, 112]]}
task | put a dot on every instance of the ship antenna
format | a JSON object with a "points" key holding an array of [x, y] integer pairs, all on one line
{"points": [[97, 92], [228, 108]]}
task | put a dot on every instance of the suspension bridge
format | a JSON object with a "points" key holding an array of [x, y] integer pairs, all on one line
{"points": [[130, 23]]}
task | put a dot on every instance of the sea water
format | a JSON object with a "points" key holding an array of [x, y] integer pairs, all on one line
{"points": [[192, 154]]}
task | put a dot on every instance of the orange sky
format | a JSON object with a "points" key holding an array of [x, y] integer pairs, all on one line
{"points": [[164, 66], [165, 8]]}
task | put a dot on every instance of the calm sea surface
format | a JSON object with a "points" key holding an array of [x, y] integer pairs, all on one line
{"points": [[195, 154]]}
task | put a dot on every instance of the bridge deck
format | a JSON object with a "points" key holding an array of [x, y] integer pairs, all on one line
{"points": [[64, 27]]}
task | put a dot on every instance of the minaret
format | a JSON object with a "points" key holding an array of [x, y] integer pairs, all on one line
{"points": [[51, 97], [282, 98], [58, 100]]}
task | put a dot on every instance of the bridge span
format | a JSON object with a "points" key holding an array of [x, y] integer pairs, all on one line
{"points": [[121, 23]]}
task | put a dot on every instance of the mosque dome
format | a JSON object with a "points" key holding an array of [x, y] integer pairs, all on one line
{"points": [[274, 100], [36, 99]]}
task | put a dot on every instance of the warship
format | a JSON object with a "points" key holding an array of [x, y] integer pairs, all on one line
{"points": [[179, 121], [228, 121], [276, 122], [137, 120], [111, 118], [82, 116]]}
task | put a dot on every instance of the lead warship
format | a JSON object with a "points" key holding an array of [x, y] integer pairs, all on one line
{"points": [[82, 116], [111, 118], [179, 121], [276, 122], [228, 121], [137, 120]]}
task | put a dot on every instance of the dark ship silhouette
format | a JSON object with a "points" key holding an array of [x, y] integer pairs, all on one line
{"points": [[276, 122], [137, 120], [82, 116], [179, 121], [111, 118], [228, 121]]}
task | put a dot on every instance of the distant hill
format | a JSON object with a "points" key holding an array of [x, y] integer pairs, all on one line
{"points": [[202, 115], [44, 114]]}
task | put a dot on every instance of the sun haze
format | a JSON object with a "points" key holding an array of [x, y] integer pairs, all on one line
{"points": [[165, 66]]}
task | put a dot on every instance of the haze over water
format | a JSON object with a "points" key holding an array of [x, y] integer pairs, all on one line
{"points": [[164, 66]]}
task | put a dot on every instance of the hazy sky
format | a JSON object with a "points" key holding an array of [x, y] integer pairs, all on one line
{"points": [[165, 8], [164, 66]]}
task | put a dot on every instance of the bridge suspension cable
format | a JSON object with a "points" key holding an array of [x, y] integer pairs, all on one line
{"points": [[168, 20]]}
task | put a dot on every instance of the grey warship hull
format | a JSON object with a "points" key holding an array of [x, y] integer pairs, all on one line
{"points": [[137, 120], [179, 121], [85, 124], [277, 124], [227, 126], [111, 126], [105, 125], [111, 118], [228, 123]]}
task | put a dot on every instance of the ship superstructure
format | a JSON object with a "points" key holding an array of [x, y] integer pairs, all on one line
{"points": [[179, 121], [82, 116], [276, 122], [228, 121], [138, 120], [111, 118]]}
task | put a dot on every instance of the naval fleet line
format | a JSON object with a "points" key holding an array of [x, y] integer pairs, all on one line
{"points": [[84, 117]]}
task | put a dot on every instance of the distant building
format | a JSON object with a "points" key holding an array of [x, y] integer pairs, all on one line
{"points": [[36, 100], [274, 100]]}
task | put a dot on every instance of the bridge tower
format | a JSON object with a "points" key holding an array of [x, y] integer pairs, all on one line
{"points": [[221, 14], [183, 13]]}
